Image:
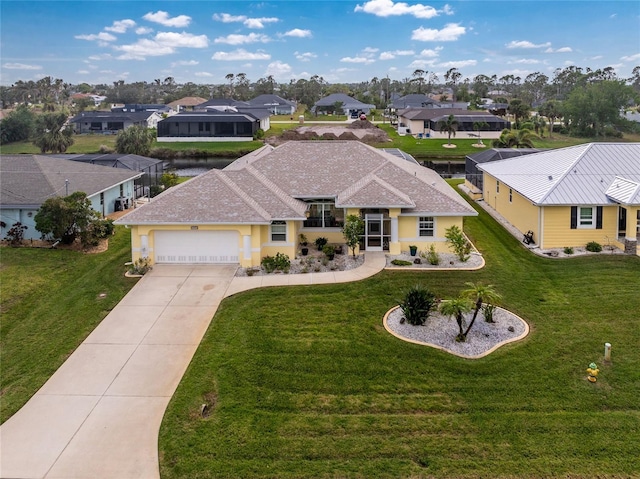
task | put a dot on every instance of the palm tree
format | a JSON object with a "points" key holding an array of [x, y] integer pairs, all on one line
{"points": [[457, 308], [514, 139], [51, 135], [519, 110], [551, 110], [135, 140], [479, 293], [418, 77], [449, 126]]}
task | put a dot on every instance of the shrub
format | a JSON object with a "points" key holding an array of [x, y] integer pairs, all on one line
{"points": [[320, 242], [141, 266], [458, 243], [568, 250], [432, 256], [488, 310], [279, 262], [15, 235], [329, 250], [416, 305], [401, 262], [594, 247], [95, 231]]}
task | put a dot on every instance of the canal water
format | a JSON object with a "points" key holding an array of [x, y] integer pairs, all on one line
{"points": [[189, 167]]}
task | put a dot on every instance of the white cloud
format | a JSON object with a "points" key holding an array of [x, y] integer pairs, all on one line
{"points": [[278, 69], [184, 63], [371, 50], [143, 48], [422, 63], [240, 55], [394, 54], [188, 40], [305, 57], [235, 39], [102, 56], [298, 33], [21, 66], [163, 18], [527, 61], [526, 44], [203, 74], [451, 32], [102, 36], [630, 58], [258, 22], [559, 50], [364, 60], [459, 64], [83, 72], [387, 8], [143, 30], [597, 57], [430, 53], [121, 26]]}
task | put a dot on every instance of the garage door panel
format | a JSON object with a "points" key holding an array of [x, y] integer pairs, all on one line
{"points": [[196, 246]]}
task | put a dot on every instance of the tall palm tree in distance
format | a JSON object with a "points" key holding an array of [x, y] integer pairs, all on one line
{"points": [[449, 126]]}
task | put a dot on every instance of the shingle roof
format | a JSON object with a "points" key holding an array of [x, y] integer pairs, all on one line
{"points": [[271, 183], [577, 175], [187, 101], [134, 116], [28, 180], [269, 100], [347, 101]]}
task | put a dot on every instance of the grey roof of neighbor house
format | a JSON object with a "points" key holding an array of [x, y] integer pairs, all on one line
{"points": [[222, 102], [135, 117], [414, 100], [187, 101], [496, 154], [270, 184], [347, 101], [436, 114], [28, 180], [588, 174], [270, 100], [114, 160], [215, 116]]}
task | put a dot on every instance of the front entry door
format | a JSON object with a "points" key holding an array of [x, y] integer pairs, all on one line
{"points": [[622, 221], [373, 232]]}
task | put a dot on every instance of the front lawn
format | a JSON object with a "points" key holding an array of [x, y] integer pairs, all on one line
{"points": [[305, 382], [51, 300]]}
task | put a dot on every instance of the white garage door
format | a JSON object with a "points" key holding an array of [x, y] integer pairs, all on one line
{"points": [[195, 246]]}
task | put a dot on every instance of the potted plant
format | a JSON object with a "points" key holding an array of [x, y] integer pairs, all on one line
{"points": [[413, 250], [304, 250], [320, 242], [303, 239], [329, 251]]}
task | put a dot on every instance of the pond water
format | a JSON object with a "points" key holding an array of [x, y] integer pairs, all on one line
{"points": [[196, 166]]}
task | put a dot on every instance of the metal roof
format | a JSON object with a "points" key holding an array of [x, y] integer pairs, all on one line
{"points": [[577, 175]]}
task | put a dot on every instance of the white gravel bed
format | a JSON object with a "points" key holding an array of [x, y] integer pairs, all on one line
{"points": [[440, 332], [447, 260], [314, 262]]}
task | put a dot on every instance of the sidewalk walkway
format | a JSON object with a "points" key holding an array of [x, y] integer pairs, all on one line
{"points": [[99, 415]]}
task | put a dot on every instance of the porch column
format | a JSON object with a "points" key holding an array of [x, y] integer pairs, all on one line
{"points": [[246, 247], [394, 244], [631, 233]]}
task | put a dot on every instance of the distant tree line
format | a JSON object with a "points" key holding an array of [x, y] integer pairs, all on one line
{"points": [[587, 101]]}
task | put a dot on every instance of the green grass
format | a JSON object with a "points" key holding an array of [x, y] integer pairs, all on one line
{"points": [[304, 382], [51, 300]]}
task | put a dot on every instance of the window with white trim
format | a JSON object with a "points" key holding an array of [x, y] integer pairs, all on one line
{"points": [[497, 187], [510, 195], [426, 226], [278, 231], [586, 217]]}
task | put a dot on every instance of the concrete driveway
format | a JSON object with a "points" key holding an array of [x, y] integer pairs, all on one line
{"points": [[109, 397]]}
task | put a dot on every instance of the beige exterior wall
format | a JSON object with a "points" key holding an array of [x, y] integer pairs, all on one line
{"points": [[408, 233], [558, 233]]}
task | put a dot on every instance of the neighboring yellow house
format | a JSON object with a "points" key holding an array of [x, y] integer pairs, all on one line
{"points": [[260, 204], [570, 196]]}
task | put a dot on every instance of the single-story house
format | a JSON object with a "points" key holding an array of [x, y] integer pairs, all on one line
{"points": [[275, 104], [473, 176], [425, 121], [26, 181], [260, 204], [151, 168], [570, 196], [108, 122], [213, 125], [187, 103], [135, 107], [350, 106], [221, 104]]}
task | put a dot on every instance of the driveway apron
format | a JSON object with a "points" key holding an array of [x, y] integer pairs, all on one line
{"points": [[99, 415]]}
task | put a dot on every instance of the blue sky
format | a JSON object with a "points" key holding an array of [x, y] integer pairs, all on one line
{"points": [[342, 41]]}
